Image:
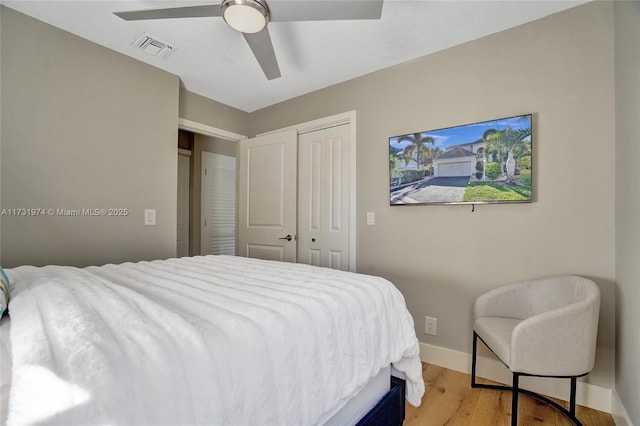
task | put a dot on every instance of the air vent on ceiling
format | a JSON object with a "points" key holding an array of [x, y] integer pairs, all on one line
{"points": [[153, 46]]}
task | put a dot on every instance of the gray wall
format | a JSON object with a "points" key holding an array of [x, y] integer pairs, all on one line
{"points": [[627, 83], [442, 257], [84, 127], [206, 111]]}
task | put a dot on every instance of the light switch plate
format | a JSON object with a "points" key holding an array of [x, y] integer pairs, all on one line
{"points": [[371, 218], [150, 216]]}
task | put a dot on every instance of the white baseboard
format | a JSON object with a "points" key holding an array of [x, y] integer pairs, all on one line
{"points": [[619, 413], [588, 395]]}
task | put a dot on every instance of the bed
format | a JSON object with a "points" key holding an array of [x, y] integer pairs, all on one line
{"points": [[211, 340]]}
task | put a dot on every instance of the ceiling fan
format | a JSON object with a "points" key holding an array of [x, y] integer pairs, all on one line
{"points": [[250, 17]]}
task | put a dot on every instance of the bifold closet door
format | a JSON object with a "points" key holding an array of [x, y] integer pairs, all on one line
{"points": [[323, 197]]}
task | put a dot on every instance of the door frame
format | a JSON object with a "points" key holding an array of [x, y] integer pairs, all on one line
{"points": [[348, 117], [206, 130], [185, 153]]}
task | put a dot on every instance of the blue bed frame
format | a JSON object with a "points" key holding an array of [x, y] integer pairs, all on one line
{"points": [[390, 410]]}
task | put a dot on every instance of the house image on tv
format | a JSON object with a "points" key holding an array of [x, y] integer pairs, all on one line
{"points": [[403, 165], [460, 160]]}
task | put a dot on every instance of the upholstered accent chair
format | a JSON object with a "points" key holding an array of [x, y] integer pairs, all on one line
{"points": [[545, 327]]}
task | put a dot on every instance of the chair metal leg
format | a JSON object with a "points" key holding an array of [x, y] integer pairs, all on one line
{"points": [[572, 398], [473, 360], [514, 400]]}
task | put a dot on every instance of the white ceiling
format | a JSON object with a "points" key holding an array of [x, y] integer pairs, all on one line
{"points": [[214, 61]]}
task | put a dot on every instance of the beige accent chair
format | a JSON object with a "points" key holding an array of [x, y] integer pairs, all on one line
{"points": [[545, 327]]}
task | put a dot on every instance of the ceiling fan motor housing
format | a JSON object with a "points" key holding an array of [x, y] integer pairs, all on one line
{"points": [[246, 16]]}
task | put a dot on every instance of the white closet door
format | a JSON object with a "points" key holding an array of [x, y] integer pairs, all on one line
{"points": [[218, 204], [323, 197], [267, 196]]}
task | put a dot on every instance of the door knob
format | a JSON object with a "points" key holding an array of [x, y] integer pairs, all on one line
{"points": [[288, 238]]}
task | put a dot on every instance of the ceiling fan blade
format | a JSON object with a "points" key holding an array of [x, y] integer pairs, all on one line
{"points": [[262, 48], [324, 10], [207, 10]]}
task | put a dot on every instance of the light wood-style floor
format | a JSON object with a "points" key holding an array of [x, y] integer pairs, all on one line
{"points": [[450, 400]]}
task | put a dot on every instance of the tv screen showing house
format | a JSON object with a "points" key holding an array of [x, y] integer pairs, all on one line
{"points": [[485, 162]]}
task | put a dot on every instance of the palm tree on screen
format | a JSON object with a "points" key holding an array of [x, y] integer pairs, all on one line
{"points": [[507, 143], [417, 147]]}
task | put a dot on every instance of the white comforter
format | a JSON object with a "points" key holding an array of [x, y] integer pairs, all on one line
{"points": [[212, 340]]}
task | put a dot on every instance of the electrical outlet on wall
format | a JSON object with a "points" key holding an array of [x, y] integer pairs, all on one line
{"points": [[430, 325]]}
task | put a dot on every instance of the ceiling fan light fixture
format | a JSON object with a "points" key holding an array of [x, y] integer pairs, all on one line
{"points": [[246, 16]]}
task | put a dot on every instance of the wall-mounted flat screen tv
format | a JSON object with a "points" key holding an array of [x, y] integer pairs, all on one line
{"points": [[485, 162]]}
